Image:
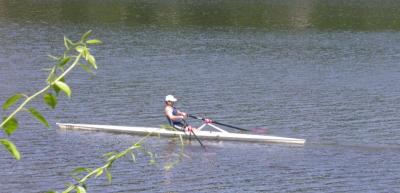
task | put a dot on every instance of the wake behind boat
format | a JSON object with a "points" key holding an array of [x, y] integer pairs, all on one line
{"points": [[219, 134]]}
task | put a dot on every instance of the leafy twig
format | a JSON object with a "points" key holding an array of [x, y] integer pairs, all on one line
{"points": [[55, 80], [80, 185]]}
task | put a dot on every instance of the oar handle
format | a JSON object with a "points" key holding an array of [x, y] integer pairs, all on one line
{"points": [[196, 117], [218, 123]]}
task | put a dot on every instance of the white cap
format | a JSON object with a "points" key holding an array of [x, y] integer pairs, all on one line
{"points": [[170, 98]]}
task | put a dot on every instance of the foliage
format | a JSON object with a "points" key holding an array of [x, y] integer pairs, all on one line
{"points": [[111, 157], [75, 54], [82, 175]]}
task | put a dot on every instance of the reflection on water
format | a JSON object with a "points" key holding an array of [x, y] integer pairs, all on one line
{"points": [[273, 14]]}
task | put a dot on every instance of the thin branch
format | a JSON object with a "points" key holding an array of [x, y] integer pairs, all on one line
{"points": [[27, 100]]}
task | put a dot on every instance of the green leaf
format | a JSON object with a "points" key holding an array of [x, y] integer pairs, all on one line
{"points": [[56, 89], [50, 100], [80, 189], [99, 172], [84, 185], [80, 170], [86, 68], [80, 49], [109, 165], [133, 157], [67, 42], [169, 166], [86, 35], [91, 60], [11, 148], [52, 191], [39, 116], [12, 100], [85, 53], [52, 75], [137, 145], [63, 61], [64, 87], [109, 176], [53, 57], [152, 160], [94, 41], [10, 126], [70, 187], [120, 154]]}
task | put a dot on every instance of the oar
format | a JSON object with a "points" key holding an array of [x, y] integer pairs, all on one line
{"points": [[192, 132], [226, 125]]}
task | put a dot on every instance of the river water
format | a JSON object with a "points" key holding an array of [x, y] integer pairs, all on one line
{"points": [[325, 71]]}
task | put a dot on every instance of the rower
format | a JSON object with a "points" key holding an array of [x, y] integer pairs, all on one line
{"points": [[175, 117]]}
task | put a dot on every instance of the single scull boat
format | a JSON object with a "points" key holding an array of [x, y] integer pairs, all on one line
{"points": [[219, 134]]}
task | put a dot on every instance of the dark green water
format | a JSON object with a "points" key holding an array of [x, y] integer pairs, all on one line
{"points": [[326, 71], [353, 15]]}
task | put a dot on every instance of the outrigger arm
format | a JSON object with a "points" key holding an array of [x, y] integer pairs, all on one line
{"points": [[211, 125]]}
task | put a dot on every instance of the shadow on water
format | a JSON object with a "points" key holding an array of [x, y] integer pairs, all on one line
{"points": [[293, 15]]}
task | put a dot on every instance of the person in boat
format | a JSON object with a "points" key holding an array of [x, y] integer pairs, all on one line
{"points": [[175, 117]]}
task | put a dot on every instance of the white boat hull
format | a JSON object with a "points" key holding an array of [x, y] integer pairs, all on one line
{"points": [[213, 135]]}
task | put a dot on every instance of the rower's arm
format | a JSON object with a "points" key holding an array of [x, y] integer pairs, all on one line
{"points": [[182, 113], [168, 112]]}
